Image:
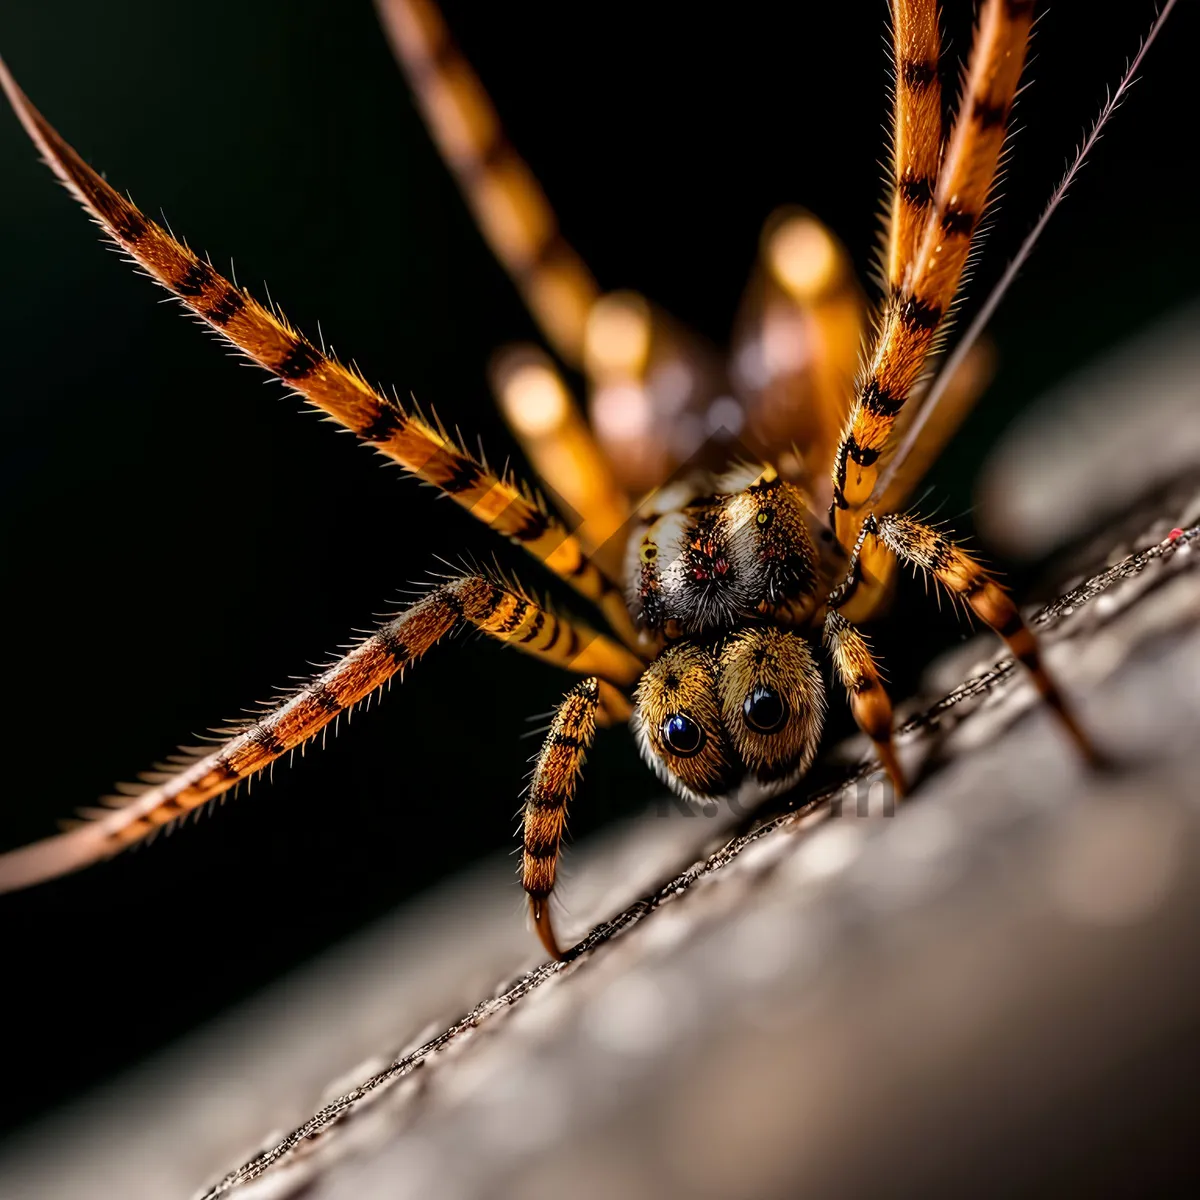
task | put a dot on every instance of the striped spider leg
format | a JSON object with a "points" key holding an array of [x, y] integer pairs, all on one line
{"points": [[497, 609], [656, 391], [932, 226], [715, 594]]}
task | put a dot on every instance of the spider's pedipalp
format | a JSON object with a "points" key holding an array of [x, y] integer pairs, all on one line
{"points": [[504, 613], [261, 334], [555, 775]]}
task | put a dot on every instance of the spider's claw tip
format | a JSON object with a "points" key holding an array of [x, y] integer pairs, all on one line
{"points": [[540, 908]]}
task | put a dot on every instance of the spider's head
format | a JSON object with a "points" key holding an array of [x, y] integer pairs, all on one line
{"points": [[746, 708]]}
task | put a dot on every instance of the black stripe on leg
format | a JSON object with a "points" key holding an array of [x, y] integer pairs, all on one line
{"points": [[464, 476], [226, 306], [533, 527], [1012, 626], [384, 425], [878, 401], [917, 191], [195, 279], [539, 619], [514, 618], [541, 847], [918, 75], [130, 227], [863, 455], [954, 221], [919, 316], [988, 115], [299, 362], [393, 645]]}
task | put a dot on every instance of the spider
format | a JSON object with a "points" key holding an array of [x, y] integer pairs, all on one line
{"points": [[782, 524]]}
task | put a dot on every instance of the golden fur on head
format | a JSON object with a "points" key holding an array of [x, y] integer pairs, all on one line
{"points": [[709, 683]]}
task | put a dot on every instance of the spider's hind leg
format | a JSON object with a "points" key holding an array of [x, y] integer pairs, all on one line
{"points": [[928, 549]]}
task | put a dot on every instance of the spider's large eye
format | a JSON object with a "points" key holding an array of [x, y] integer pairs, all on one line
{"points": [[682, 735], [765, 710]]}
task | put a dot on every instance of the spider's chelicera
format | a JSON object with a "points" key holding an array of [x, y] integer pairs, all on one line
{"points": [[718, 589]]}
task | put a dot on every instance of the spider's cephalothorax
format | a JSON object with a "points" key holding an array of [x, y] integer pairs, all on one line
{"points": [[717, 592], [728, 583]]}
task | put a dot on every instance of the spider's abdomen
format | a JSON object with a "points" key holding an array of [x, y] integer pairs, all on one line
{"points": [[723, 559]]}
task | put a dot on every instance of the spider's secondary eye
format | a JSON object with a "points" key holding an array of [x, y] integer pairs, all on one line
{"points": [[765, 710], [682, 735]]}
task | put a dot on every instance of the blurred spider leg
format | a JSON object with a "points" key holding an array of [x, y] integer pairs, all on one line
{"points": [[556, 439], [502, 612], [509, 206], [559, 766], [796, 343], [265, 337], [868, 698], [915, 313], [961, 575], [916, 130]]}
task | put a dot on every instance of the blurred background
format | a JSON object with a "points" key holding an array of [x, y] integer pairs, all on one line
{"points": [[178, 540]]}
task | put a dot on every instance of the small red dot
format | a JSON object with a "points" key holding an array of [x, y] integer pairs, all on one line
{"points": [[1174, 535]]}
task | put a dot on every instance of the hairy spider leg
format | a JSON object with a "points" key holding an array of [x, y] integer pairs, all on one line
{"points": [[916, 131], [869, 703], [508, 204], [501, 611], [519, 225], [555, 775], [962, 576], [426, 450], [537, 404], [914, 314]]}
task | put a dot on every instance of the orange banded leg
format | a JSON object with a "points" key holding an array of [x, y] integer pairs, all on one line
{"points": [[916, 130], [916, 312], [499, 611], [421, 447], [508, 204], [868, 698], [558, 768], [962, 576], [551, 429]]}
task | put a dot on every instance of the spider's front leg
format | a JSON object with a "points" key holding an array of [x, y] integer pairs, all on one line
{"points": [[961, 575], [559, 766], [497, 609]]}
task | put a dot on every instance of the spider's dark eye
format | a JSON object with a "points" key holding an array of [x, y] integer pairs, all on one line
{"points": [[765, 710], [682, 735]]}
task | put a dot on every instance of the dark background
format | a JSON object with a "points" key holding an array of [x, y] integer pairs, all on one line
{"points": [[177, 540]]}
